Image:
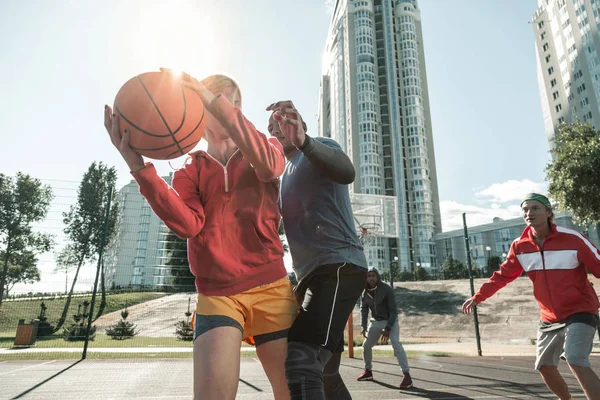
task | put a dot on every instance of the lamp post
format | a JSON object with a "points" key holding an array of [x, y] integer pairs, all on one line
{"points": [[395, 262], [489, 251], [415, 271]]}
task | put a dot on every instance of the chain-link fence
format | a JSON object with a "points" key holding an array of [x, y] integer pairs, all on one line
{"points": [[80, 264]]}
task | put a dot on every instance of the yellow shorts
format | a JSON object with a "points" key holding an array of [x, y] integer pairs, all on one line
{"points": [[262, 313]]}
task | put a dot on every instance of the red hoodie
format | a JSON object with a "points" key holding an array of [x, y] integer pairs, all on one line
{"points": [[229, 214], [558, 273]]}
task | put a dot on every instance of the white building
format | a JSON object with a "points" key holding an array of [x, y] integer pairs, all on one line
{"points": [[136, 257], [374, 102], [567, 42]]}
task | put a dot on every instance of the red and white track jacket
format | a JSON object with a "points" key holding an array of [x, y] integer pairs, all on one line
{"points": [[558, 272]]}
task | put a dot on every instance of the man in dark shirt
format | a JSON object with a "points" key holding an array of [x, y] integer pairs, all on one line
{"points": [[379, 298]]}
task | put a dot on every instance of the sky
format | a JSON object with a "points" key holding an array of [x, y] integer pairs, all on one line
{"points": [[61, 61]]}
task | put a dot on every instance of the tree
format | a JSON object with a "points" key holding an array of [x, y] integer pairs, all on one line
{"points": [[385, 275], [23, 271], [85, 226], [182, 278], [453, 269], [405, 276], [494, 263], [23, 201], [281, 232], [61, 266], [573, 172], [122, 329], [292, 278], [421, 274]]}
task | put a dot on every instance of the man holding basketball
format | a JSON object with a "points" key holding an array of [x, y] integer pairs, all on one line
{"points": [[225, 203], [329, 261]]}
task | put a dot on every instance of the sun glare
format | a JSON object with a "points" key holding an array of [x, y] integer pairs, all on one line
{"points": [[175, 36]]}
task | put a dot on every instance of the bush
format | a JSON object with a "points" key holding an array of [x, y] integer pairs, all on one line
{"points": [[78, 329], [122, 329]]}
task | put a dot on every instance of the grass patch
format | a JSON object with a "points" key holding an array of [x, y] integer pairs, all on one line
{"points": [[12, 311], [101, 341], [92, 355], [95, 356]]}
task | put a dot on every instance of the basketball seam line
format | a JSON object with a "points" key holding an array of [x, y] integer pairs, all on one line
{"points": [[160, 114], [174, 143]]}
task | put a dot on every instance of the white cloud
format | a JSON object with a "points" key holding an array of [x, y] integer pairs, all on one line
{"points": [[510, 191], [475, 215], [498, 200]]}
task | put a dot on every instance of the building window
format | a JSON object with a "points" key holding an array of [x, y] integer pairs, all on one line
{"points": [[548, 57], [545, 47], [558, 108], [561, 120], [543, 36], [553, 83], [540, 24], [550, 70], [555, 95]]}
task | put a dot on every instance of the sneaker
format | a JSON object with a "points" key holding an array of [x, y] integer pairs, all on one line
{"points": [[367, 375], [406, 382]]}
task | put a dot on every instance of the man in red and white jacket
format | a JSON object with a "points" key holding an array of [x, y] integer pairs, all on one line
{"points": [[557, 261]]}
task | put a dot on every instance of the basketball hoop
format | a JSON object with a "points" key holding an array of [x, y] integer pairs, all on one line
{"points": [[366, 232]]}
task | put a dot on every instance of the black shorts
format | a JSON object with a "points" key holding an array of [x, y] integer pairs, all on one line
{"points": [[327, 297]]}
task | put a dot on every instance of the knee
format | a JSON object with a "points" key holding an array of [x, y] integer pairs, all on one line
{"points": [[577, 361], [332, 367], [368, 344], [305, 359], [547, 369]]}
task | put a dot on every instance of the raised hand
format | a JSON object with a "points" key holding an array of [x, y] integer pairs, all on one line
{"points": [[290, 121], [190, 82]]}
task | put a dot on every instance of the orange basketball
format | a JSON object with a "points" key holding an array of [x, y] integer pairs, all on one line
{"points": [[166, 119]]}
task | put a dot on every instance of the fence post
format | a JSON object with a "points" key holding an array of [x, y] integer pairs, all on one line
{"points": [[468, 250], [100, 254]]}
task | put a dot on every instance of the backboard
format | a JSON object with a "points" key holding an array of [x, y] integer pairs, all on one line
{"points": [[374, 215]]}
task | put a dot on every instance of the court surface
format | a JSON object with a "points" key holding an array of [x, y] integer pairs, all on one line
{"points": [[442, 378]]}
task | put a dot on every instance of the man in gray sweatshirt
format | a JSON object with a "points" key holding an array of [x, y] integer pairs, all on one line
{"points": [[379, 298], [329, 259]]}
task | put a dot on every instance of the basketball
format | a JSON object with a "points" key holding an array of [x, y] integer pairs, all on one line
{"points": [[165, 119]]}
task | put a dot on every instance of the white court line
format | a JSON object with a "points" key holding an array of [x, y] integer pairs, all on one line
{"points": [[24, 368], [440, 366]]}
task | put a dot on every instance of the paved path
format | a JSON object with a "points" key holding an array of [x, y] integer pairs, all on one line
{"points": [[441, 378]]}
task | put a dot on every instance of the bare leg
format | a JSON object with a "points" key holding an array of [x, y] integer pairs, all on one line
{"points": [[217, 364], [589, 381], [555, 381], [272, 356]]}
